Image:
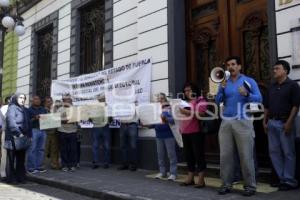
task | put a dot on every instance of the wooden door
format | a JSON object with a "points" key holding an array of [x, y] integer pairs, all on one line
{"points": [[217, 29]]}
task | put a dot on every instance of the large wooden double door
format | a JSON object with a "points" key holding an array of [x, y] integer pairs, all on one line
{"points": [[220, 28]]}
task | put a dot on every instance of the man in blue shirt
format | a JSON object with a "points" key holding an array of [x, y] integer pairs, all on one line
{"points": [[35, 154], [237, 127]]}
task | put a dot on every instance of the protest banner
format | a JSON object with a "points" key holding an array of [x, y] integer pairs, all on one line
{"points": [[132, 80], [176, 104]]}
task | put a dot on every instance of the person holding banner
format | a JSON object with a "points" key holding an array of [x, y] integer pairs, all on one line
{"points": [[67, 137], [101, 135], [52, 147], [35, 154], [165, 140], [193, 139], [128, 142]]}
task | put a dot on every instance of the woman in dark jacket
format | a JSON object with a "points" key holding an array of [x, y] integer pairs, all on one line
{"points": [[17, 125]]}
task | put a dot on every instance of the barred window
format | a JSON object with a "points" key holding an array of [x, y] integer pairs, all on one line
{"points": [[44, 61], [91, 37]]}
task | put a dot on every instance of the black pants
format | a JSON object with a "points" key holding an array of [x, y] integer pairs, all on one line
{"points": [[78, 151], [15, 166], [68, 149], [193, 146]]}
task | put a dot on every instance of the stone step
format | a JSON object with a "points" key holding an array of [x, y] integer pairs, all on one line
{"points": [[213, 170]]}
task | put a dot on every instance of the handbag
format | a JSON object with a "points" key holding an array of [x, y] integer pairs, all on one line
{"points": [[22, 142], [18, 143]]}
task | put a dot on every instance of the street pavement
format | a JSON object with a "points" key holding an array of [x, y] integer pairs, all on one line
{"points": [[140, 185], [34, 191]]}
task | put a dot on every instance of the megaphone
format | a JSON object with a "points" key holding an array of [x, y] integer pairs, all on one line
{"points": [[218, 74]]}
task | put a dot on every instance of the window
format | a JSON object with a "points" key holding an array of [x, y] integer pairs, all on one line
{"points": [[44, 61], [91, 37]]}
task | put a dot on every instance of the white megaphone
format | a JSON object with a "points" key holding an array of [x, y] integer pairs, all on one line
{"points": [[218, 74]]}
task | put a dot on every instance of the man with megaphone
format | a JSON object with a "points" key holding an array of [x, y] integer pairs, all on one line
{"points": [[237, 127]]}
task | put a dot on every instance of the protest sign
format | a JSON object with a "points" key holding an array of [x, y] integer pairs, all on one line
{"points": [[49, 121]]}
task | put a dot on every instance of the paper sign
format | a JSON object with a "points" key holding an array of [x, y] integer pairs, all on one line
{"points": [[49, 121], [92, 111], [71, 114], [149, 113], [121, 110]]}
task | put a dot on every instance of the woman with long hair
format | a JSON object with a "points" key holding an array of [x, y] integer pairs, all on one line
{"points": [[193, 139]]}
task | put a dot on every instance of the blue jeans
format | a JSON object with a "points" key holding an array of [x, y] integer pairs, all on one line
{"points": [[162, 145], [68, 149], [282, 152], [35, 153], [128, 143], [101, 136]]}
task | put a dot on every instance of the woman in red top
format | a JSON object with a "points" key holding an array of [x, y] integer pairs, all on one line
{"points": [[193, 139]]}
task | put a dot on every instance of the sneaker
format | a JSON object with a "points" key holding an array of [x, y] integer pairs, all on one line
{"points": [[32, 171], [64, 169], [275, 184], [72, 169], [285, 187], [224, 190], [95, 166], [132, 168], [78, 166], [159, 176], [123, 167], [248, 193], [41, 170], [172, 177]]}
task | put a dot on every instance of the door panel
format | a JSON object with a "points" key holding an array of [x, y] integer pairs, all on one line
{"points": [[217, 29]]}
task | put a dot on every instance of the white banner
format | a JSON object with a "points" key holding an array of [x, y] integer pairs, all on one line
{"points": [[129, 83]]}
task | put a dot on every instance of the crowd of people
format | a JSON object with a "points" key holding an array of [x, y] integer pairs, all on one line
{"points": [[25, 146]]}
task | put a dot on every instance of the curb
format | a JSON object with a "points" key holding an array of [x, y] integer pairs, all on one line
{"points": [[103, 195]]}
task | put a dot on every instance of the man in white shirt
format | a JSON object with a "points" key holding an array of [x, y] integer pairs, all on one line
{"points": [[68, 138]]}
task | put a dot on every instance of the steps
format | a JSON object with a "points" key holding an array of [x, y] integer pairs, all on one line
{"points": [[213, 170]]}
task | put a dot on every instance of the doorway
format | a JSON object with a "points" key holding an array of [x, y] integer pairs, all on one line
{"points": [[217, 29]]}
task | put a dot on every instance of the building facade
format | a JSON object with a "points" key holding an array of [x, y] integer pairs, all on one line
{"points": [[185, 40]]}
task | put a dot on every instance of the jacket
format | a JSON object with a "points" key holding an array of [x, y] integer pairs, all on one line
{"points": [[17, 120]]}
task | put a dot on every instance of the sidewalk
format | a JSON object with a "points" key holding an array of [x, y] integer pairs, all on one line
{"points": [[140, 185]]}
